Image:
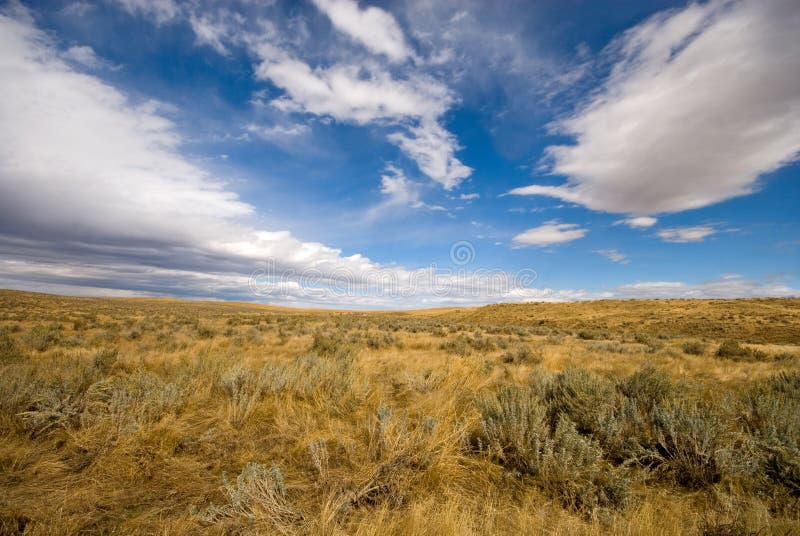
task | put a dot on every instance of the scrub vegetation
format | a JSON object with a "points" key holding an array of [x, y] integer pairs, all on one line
{"points": [[170, 417]]}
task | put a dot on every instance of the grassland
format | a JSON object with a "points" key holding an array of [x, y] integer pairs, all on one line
{"points": [[169, 417]]}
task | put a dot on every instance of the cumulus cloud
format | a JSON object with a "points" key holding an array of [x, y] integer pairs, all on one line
{"points": [[683, 235], [638, 222], [686, 118], [469, 197], [550, 233], [373, 27], [614, 255]]}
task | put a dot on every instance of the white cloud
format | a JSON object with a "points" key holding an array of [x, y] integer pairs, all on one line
{"points": [[398, 189], [350, 93], [361, 95], [686, 234], [66, 134], [686, 118], [550, 233], [95, 194], [483, 48], [398, 192], [614, 255], [723, 288], [276, 133], [77, 9], [433, 149], [96, 198], [638, 222], [373, 27], [160, 11], [469, 197], [293, 138], [85, 55], [214, 31], [93, 172]]}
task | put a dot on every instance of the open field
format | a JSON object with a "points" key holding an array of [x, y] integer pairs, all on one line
{"points": [[171, 417]]}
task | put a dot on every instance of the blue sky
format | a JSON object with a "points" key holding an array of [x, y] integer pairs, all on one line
{"points": [[271, 151]]}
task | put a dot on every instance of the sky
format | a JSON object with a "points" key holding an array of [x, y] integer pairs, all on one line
{"points": [[400, 154]]}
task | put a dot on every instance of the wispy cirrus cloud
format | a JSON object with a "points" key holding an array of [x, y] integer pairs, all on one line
{"points": [[86, 56], [550, 233], [614, 255], [398, 192], [682, 235], [434, 148], [161, 11], [277, 132]]}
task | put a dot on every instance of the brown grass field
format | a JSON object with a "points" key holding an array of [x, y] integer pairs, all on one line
{"points": [[170, 417]]}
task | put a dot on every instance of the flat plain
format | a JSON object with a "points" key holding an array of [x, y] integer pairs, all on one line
{"points": [[155, 416]]}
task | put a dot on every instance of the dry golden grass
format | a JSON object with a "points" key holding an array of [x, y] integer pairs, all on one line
{"points": [[171, 417]]}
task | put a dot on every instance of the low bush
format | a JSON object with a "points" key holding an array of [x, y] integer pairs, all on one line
{"points": [[130, 401], [329, 345], [425, 382], [691, 439], [104, 359], [771, 415], [51, 406], [522, 354], [647, 386], [376, 341], [259, 495], [204, 332], [464, 345], [653, 343], [245, 390], [40, 338], [693, 348], [734, 351], [586, 398], [564, 463], [9, 352], [331, 379]]}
